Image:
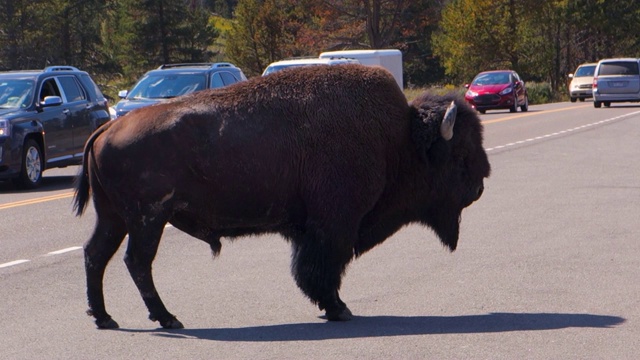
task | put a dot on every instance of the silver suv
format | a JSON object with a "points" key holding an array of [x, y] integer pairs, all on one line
{"points": [[171, 80], [616, 80]]}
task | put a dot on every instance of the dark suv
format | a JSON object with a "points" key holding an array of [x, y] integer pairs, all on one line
{"points": [[171, 80], [46, 117]]}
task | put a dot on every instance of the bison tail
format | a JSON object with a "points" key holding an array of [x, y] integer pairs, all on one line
{"points": [[82, 186]]}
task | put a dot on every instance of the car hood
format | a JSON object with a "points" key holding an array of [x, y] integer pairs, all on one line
{"points": [[6, 112], [488, 89], [582, 80], [126, 105]]}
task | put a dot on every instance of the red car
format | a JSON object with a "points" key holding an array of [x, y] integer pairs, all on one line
{"points": [[497, 89]]}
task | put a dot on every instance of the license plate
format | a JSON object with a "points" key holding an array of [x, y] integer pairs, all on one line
{"points": [[618, 84]]}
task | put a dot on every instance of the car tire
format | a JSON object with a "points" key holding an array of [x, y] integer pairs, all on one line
{"points": [[482, 111], [597, 104], [514, 108], [606, 104], [525, 106], [581, 99], [573, 99], [32, 166]]}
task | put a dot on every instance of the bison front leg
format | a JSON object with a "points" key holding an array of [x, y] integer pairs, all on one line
{"points": [[141, 250], [318, 265]]}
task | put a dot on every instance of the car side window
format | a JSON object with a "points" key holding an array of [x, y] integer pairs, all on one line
{"points": [[72, 90], [228, 78], [216, 81], [49, 88]]}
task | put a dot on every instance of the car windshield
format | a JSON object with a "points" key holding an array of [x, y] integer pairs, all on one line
{"points": [[584, 71], [164, 86], [491, 79], [15, 93]]}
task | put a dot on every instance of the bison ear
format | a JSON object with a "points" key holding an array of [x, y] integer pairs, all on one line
{"points": [[431, 132]]}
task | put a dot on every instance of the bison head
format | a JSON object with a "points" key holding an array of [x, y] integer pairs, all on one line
{"points": [[448, 136]]}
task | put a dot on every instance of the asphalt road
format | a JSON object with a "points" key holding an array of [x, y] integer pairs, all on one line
{"points": [[547, 267]]}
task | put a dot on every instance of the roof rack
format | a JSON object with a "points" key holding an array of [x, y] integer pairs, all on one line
{"points": [[208, 65], [60, 68]]}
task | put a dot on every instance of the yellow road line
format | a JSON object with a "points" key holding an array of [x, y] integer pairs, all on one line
{"points": [[525, 114], [36, 200]]}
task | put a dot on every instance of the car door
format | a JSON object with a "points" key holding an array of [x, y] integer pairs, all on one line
{"points": [[58, 137], [77, 108]]}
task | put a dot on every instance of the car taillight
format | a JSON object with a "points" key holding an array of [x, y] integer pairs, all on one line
{"points": [[595, 83]]}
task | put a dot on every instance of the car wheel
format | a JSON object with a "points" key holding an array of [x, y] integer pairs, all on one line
{"points": [[573, 99], [482, 111], [525, 106], [581, 99], [32, 166], [597, 104], [606, 104], [514, 108]]}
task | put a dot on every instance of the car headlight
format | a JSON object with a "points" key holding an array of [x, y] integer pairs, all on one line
{"points": [[471, 93], [506, 91], [4, 128]]}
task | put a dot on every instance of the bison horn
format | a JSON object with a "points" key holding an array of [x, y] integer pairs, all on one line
{"points": [[446, 129]]}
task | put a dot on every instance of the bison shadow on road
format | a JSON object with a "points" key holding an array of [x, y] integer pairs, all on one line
{"points": [[383, 326]]}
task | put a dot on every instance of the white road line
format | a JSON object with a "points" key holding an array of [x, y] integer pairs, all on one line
{"points": [[62, 251], [12, 263], [562, 132], [57, 252]]}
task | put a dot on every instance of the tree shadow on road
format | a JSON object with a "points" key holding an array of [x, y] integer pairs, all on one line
{"points": [[384, 326]]}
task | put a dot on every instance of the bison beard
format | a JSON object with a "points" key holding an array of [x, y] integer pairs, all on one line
{"points": [[333, 158]]}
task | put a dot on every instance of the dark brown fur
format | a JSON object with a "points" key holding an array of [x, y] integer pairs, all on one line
{"points": [[333, 158]]}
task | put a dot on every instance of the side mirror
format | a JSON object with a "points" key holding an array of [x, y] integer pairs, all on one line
{"points": [[123, 94], [570, 76], [51, 101], [466, 86]]}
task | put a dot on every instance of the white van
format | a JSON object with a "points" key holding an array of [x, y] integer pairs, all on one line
{"points": [[616, 80], [390, 59]]}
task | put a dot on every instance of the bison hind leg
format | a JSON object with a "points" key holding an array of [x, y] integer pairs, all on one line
{"points": [[144, 238], [107, 237]]}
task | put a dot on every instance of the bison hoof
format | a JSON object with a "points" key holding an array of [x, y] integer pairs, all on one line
{"points": [[343, 315], [172, 324], [107, 324]]}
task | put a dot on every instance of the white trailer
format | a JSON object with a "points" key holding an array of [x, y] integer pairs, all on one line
{"points": [[390, 59]]}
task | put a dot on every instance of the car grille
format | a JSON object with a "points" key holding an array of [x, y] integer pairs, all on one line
{"points": [[486, 99], [585, 86]]}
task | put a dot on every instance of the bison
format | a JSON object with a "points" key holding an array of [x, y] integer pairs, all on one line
{"points": [[333, 158]]}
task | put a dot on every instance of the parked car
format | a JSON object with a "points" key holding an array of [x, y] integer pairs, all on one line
{"points": [[46, 117], [289, 63], [616, 80], [497, 89], [171, 80], [582, 82]]}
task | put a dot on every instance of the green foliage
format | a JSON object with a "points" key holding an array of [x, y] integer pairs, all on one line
{"points": [[540, 93], [441, 41], [541, 39]]}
